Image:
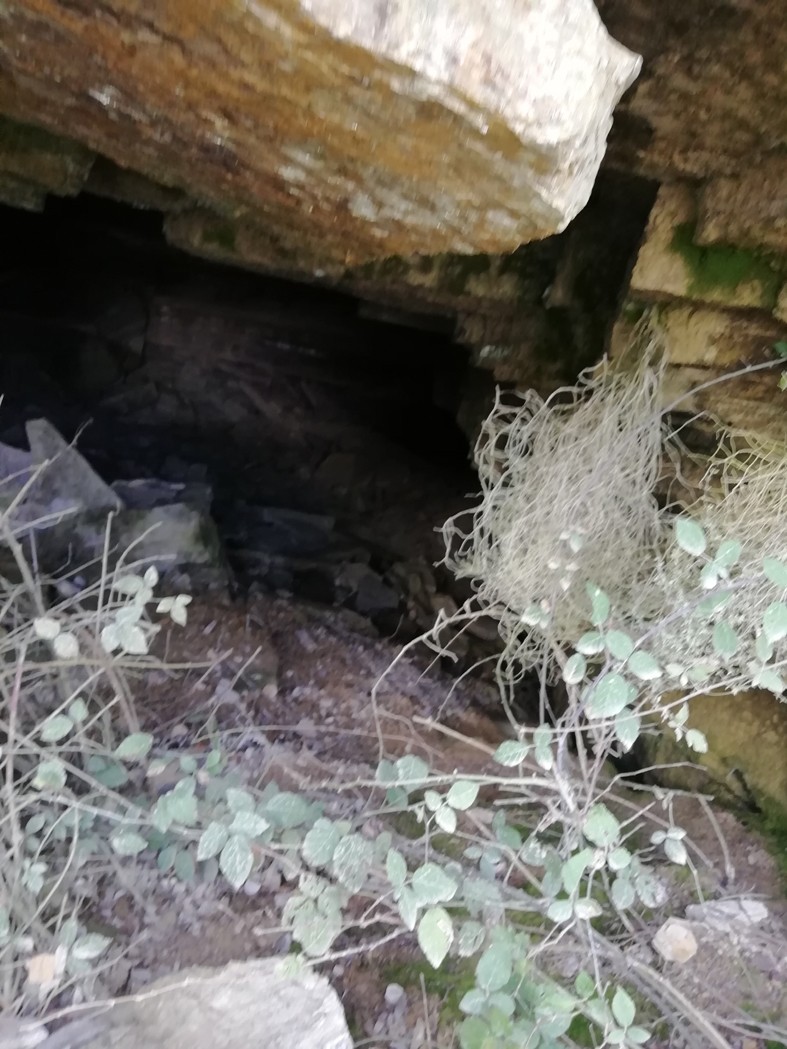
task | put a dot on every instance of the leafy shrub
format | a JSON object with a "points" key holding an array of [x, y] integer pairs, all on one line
{"points": [[539, 874]]}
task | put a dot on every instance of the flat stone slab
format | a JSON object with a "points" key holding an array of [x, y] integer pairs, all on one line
{"points": [[243, 1005]]}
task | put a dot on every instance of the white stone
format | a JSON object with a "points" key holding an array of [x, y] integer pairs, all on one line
{"points": [[244, 1004], [728, 915], [394, 993], [675, 941]]}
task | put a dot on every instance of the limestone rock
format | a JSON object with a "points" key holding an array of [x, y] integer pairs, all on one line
{"points": [[704, 344], [244, 1004], [39, 160], [745, 761], [338, 131], [672, 265], [675, 941], [750, 210], [712, 96], [780, 312], [728, 915], [70, 482]]}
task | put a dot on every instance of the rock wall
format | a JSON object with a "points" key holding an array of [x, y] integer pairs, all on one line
{"points": [[710, 262]]}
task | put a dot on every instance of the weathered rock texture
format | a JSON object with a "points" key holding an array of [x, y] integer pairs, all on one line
{"points": [[244, 1004], [745, 761], [718, 286], [338, 131], [712, 97]]}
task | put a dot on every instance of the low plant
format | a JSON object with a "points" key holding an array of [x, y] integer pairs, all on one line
{"points": [[544, 874]]}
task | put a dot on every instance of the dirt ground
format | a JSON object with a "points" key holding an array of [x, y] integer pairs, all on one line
{"points": [[290, 686]]}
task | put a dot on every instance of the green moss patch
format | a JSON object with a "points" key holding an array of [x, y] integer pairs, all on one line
{"points": [[724, 266], [450, 983]]}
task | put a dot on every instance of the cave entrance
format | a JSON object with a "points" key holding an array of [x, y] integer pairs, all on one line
{"points": [[325, 438]]}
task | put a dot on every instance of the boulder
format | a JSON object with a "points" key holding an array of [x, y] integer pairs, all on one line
{"points": [[244, 1004], [746, 760], [326, 131]]}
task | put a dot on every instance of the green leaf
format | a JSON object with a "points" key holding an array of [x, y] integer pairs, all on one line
{"points": [[627, 728], [775, 571], [320, 843], [352, 860], [474, 1002], [495, 968], [587, 909], [512, 752], [287, 810], [111, 774], [609, 696], [676, 850], [780, 348], [396, 868], [623, 1008], [638, 1035], [622, 893], [182, 807], [644, 666], [50, 775], [697, 741], [78, 711], [502, 1003], [590, 644], [709, 576], [618, 644], [432, 885], [315, 930], [462, 795], [728, 553], [90, 946], [774, 622], [770, 680], [445, 818], [471, 935], [212, 840], [385, 773], [542, 738], [725, 640], [134, 747], [56, 727], [408, 907], [585, 985], [239, 800], [46, 628], [574, 868], [411, 770], [183, 865], [66, 645], [249, 823], [560, 911], [127, 842], [474, 1034], [601, 827], [236, 860], [690, 536], [433, 800], [600, 604], [619, 859], [435, 935], [575, 669]]}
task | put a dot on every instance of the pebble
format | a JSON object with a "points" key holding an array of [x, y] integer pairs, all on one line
{"points": [[394, 993], [675, 941]]}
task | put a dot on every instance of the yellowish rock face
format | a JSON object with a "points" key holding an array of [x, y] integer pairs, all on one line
{"points": [[747, 748], [339, 132]]}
